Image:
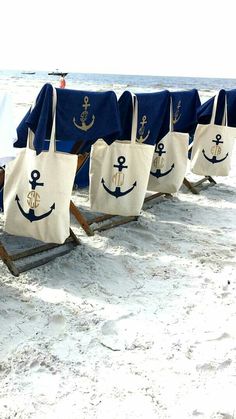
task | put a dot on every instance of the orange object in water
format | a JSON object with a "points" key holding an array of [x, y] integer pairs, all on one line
{"points": [[62, 83]]}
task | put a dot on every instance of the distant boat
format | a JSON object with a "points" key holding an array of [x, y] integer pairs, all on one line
{"points": [[28, 72], [57, 73]]}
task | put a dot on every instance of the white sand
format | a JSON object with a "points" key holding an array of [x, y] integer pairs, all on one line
{"points": [[137, 322]]}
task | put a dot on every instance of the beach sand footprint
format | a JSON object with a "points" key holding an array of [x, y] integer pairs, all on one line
{"points": [[56, 325], [126, 333]]}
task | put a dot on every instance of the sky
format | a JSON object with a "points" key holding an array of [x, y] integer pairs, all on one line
{"points": [[148, 37]]}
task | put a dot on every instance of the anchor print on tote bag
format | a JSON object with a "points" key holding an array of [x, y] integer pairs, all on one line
{"points": [[118, 179], [33, 200], [170, 159], [119, 173], [36, 198], [213, 146]]}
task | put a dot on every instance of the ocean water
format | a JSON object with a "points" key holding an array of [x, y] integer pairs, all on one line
{"points": [[25, 87]]}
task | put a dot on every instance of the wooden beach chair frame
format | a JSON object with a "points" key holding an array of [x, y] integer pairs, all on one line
{"points": [[192, 186], [113, 220], [10, 259]]}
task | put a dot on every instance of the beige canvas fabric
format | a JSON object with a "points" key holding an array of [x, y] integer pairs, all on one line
{"points": [[213, 145], [37, 192], [169, 162], [119, 174]]}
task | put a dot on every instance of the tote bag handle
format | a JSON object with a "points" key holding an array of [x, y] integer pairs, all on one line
{"points": [[134, 118], [225, 115], [171, 125], [52, 141]]}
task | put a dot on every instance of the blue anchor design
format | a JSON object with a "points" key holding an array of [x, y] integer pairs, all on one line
{"points": [[141, 130], [84, 116], [118, 178], [215, 150], [158, 173], [33, 200]]}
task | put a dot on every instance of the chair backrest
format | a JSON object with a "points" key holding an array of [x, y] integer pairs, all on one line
{"points": [[80, 115]]}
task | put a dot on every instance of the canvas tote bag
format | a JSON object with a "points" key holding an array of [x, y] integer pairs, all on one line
{"points": [[37, 191], [213, 146], [170, 161], [119, 173]]}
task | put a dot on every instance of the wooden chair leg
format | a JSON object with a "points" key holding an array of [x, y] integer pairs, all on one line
{"points": [[190, 186], [193, 186], [211, 180], [81, 219]]}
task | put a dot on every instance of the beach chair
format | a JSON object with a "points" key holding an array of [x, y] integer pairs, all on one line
{"points": [[204, 114], [22, 254], [151, 113], [186, 104], [82, 117], [34, 254], [153, 126]]}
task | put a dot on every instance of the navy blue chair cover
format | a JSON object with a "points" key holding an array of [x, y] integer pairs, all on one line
{"points": [[152, 108], [185, 106], [205, 111], [157, 108], [81, 115]]}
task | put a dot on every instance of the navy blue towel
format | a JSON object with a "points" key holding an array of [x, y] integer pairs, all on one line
{"points": [[205, 111], [39, 120], [81, 116], [152, 108], [185, 104]]}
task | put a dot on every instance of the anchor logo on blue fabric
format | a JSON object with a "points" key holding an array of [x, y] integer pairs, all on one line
{"points": [[118, 179], [84, 117], [158, 162], [215, 151], [141, 130], [33, 200], [177, 113]]}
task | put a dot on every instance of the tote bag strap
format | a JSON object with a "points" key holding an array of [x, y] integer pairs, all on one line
{"points": [[225, 115], [171, 125], [52, 141], [213, 115], [30, 137], [134, 118]]}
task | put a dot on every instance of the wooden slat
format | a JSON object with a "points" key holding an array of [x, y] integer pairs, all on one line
{"points": [[42, 261], [8, 261], [11, 259], [117, 223], [101, 218], [193, 185]]}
